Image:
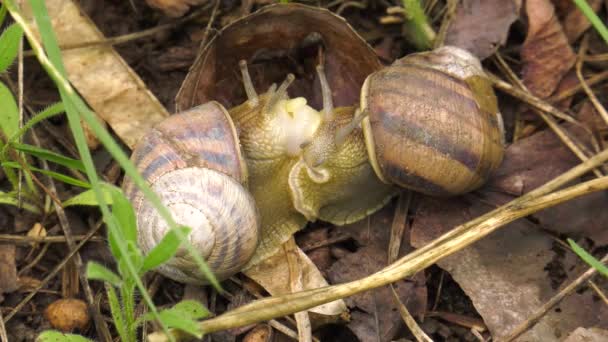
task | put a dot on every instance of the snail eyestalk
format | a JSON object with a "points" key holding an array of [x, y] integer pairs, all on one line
{"points": [[328, 105], [252, 96], [343, 132], [279, 94]]}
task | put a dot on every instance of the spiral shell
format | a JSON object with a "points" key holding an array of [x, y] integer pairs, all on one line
{"points": [[433, 123], [193, 161]]}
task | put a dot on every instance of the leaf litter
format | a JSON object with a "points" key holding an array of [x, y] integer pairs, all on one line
{"points": [[506, 276]]}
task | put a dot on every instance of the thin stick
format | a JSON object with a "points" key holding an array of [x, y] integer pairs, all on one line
{"points": [[579, 73], [449, 243], [536, 316], [3, 335], [598, 291], [100, 324], [52, 274], [409, 319], [399, 224], [575, 146], [591, 81], [543, 108], [26, 240]]}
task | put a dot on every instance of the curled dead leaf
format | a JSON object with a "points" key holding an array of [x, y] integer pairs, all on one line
{"points": [[275, 41], [546, 53]]}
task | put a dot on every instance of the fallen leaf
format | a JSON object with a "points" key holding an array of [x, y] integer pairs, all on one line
{"points": [[511, 273], [546, 54], [587, 335], [273, 274], [574, 22], [372, 236], [174, 8], [482, 26], [533, 161], [112, 89], [9, 281]]}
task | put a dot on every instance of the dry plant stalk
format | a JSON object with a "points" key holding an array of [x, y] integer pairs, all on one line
{"points": [[455, 240]]}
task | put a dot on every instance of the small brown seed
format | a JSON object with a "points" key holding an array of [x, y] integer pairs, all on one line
{"points": [[68, 314]]}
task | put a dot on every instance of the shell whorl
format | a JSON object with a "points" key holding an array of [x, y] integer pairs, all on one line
{"points": [[433, 124], [193, 162]]}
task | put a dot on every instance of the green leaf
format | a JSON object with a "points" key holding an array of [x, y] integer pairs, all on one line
{"points": [[588, 258], [56, 175], [123, 210], [165, 249], [9, 45], [88, 197], [99, 272], [191, 309], [117, 314], [56, 336], [9, 113], [3, 11], [176, 319], [50, 156]]}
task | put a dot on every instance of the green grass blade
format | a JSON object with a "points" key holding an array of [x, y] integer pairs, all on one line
{"points": [[588, 258], [55, 175], [12, 200], [79, 108], [52, 110], [9, 45], [2, 13], [50, 156], [593, 18], [75, 110]]}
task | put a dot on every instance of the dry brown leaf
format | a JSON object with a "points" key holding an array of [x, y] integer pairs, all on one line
{"points": [[273, 275], [174, 8], [587, 335], [101, 76], [508, 275], [261, 333], [534, 161], [9, 281], [482, 26], [511, 273], [574, 22], [372, 237], [546, 54]]}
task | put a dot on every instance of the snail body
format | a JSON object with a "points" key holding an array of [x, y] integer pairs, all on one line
{"points": [[432, 123]]}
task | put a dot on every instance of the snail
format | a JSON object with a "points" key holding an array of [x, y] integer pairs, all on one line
{"points": [[208, 176], [429, 122], [193, 161]]}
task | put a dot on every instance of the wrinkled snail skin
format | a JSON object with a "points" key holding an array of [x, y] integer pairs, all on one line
{"points": [[193, 162], [432, 123]]}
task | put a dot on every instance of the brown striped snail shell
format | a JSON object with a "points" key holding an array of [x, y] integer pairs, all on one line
{"points": [[193, 161], [432, 122]]}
